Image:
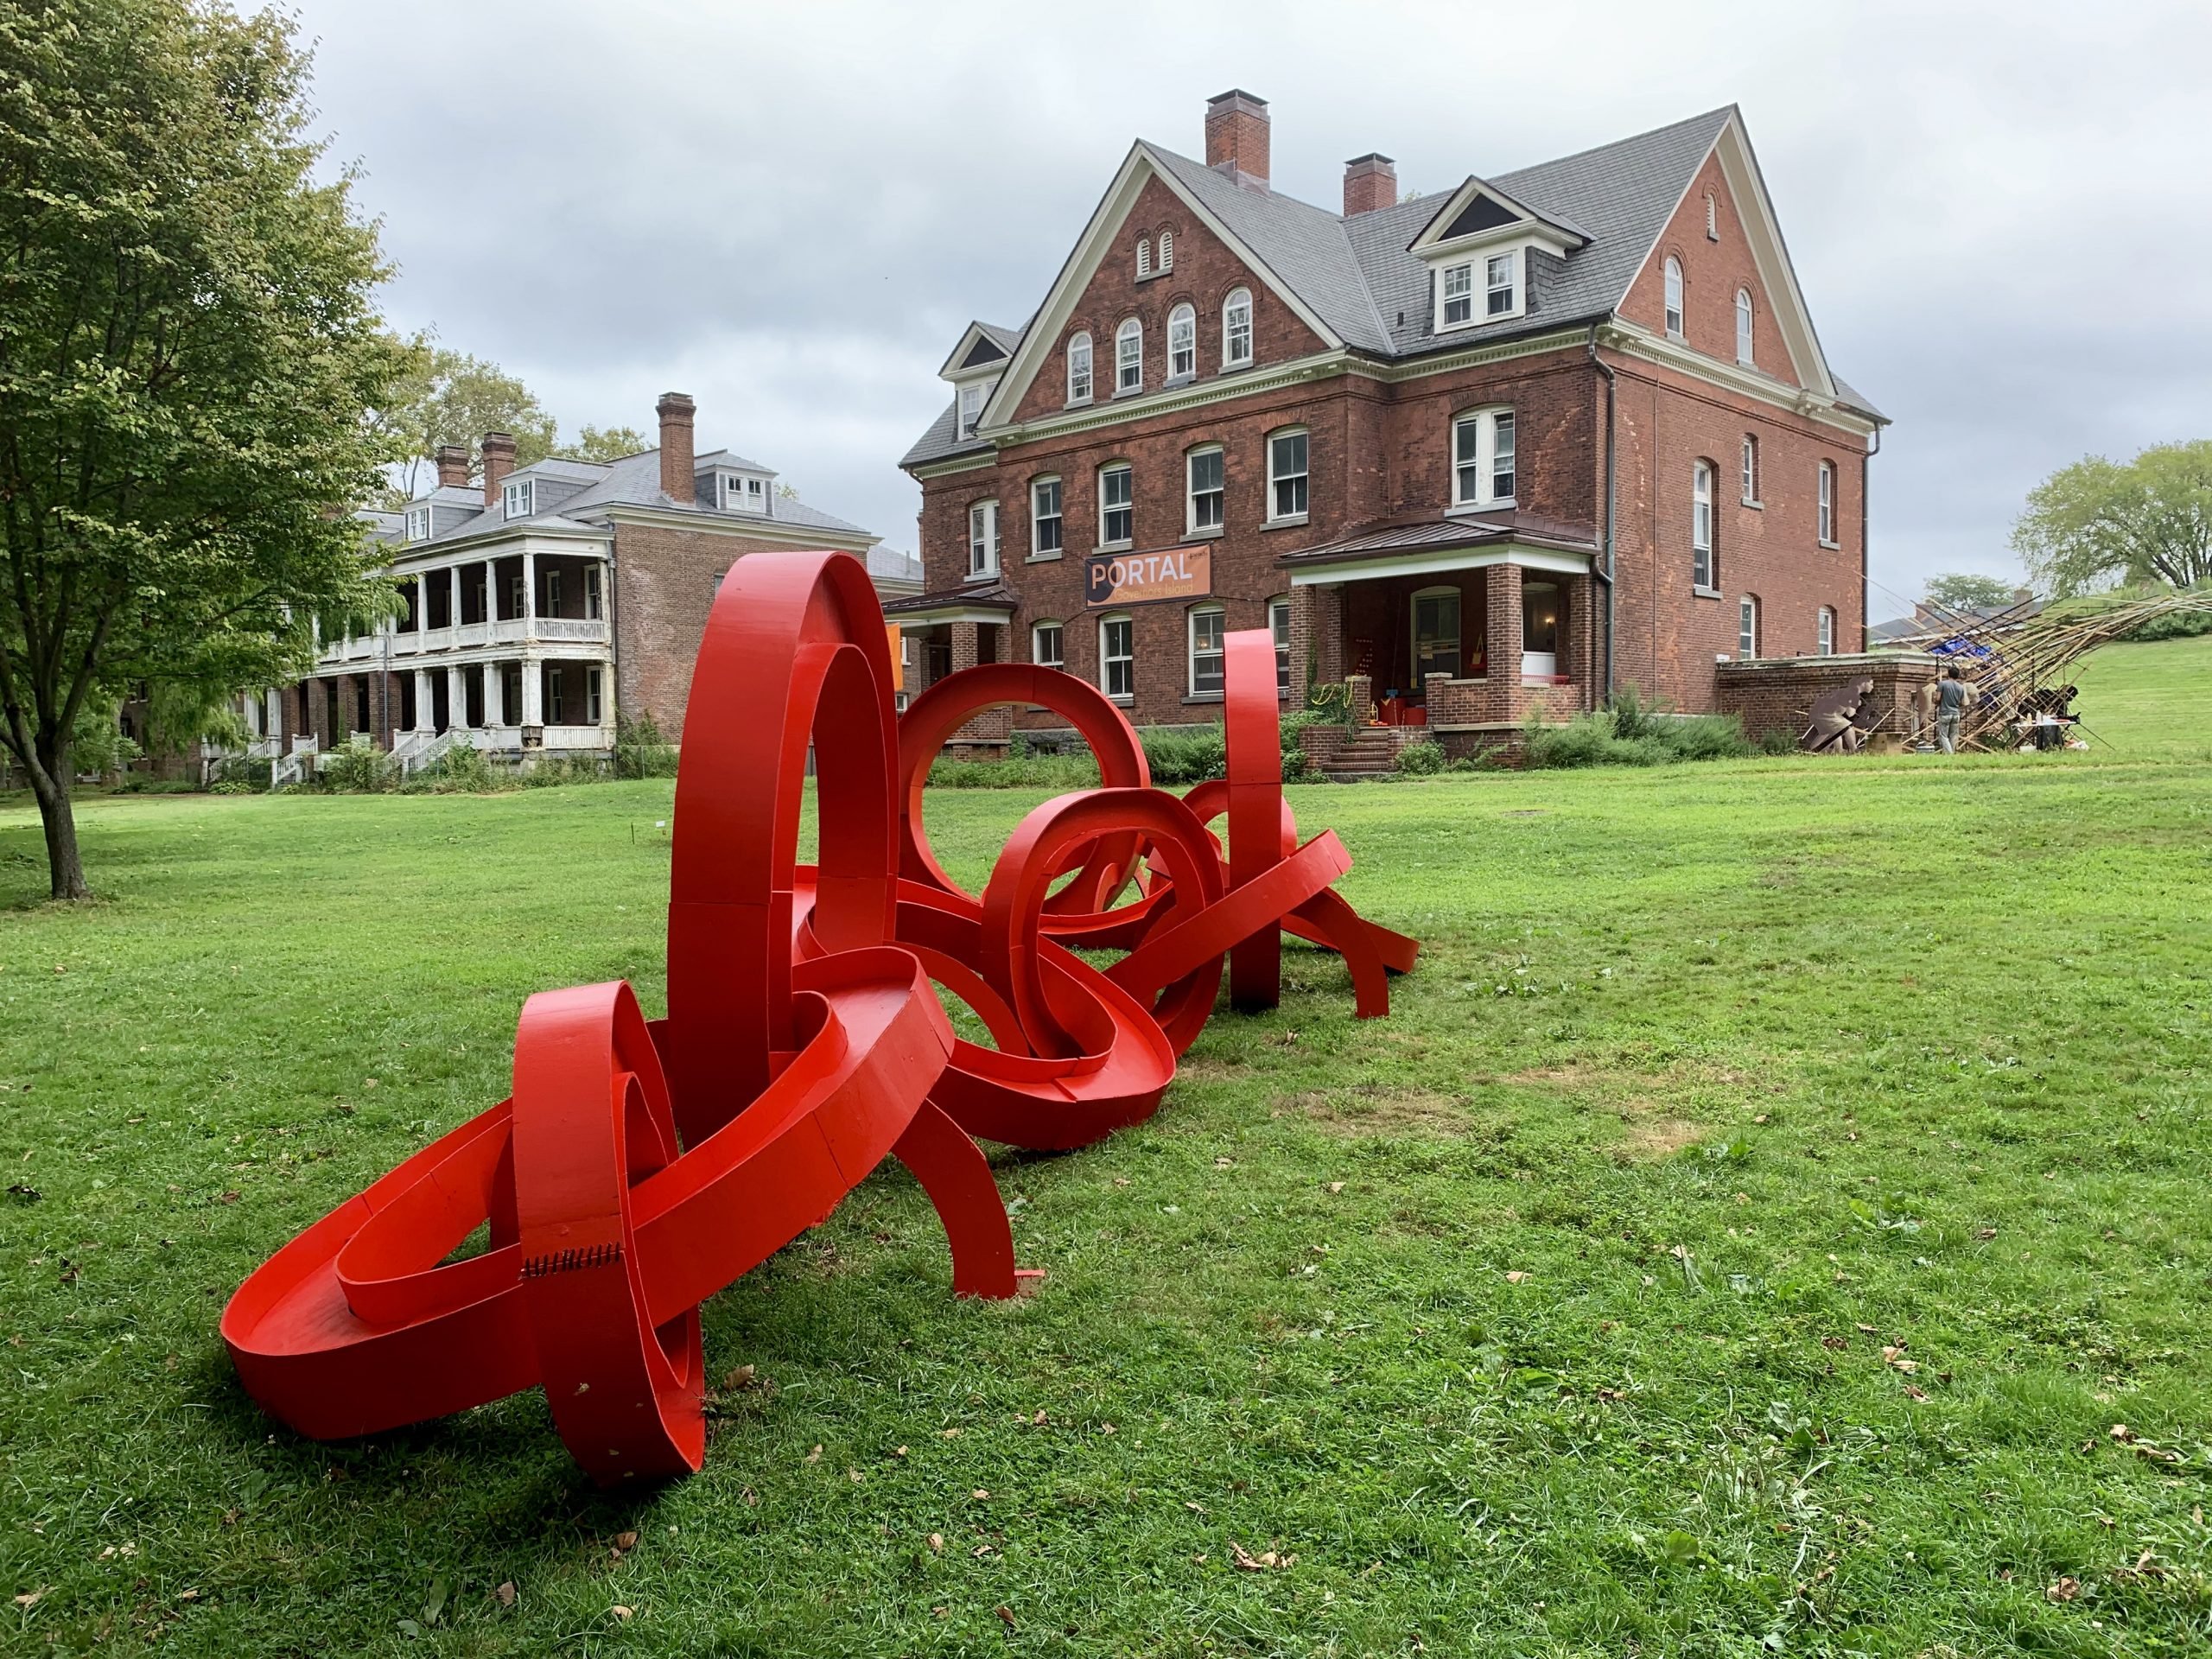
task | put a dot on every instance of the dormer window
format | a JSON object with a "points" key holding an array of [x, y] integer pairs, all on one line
{"points": [[741, 493], [971, 406], [1502, 283], [518, 497], [418, 524], [1456, 296]]}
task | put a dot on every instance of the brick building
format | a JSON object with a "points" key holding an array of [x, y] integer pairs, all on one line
{"points": [[543, 600], [1501, 447]]}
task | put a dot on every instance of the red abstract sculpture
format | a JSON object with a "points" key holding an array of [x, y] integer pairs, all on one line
{"points": [[639, 1167]]}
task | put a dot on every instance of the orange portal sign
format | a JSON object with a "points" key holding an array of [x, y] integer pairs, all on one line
{"points": [[1137, 578]]}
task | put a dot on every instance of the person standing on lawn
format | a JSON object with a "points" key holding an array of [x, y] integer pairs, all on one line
{"points": [[1950, 705]]}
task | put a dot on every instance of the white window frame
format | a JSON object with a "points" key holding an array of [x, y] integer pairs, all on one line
{"points": [[983, 539], [1194, 523], [1747, 345], [1129, 357], [1182, 344], [1513, 261], [1464, 271], [1302, 479], [594, 705], [1144, 257], [1712, 218], [552, 580], [1278, 626], [1039, 518], [1079, 379], [1125, 659], [1037, 630], [595, 593], [516, 490], [1413, 630], [1824, 627], [1218, 656], [1751, 469], [1707, 579], [1828, 504], [1486, 423], [418, 524], [971, 409], [1671, 279], [1129, 505], [1166, 251], [1747, 626], [1237, 329]]}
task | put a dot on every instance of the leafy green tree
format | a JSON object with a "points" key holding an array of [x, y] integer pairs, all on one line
{"points": [[1963, 591], [192, 373], [2099, 523], [450, 397], [604, 443]]}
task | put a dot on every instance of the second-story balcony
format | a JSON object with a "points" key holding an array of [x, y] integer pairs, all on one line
{"points": [[520, 631]]}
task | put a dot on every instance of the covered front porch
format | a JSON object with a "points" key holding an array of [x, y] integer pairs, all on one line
{"points": [[1458, 627]]}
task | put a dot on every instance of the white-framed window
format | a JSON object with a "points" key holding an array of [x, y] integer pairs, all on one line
{"points": [[1825, 622], [593, 708], [1166, 251], [1128, 357], [1144, 257], [1048, 645], [1482, 470], [1455, 295], [1744, 326], [971, 406], [1209, 630], [1279, 624], [1117, 660], [594, 594], [1045, 525], [1202, 469], [552, 593], [516, 594], [517, 497], [1435, 634], [418, 524], [1079, 369], [1182, 343], [741, 494], [556, 712], [1502, 283], [982, 540], [1237, 329], [1747, 626], [1674, 296], [1287, 474], [1828, 504], [1750, 471], [1118, 511], [1701, 568], [1712, 218]]}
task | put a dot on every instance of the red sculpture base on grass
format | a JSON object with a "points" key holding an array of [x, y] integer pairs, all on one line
{"points": [[639, 1167]]}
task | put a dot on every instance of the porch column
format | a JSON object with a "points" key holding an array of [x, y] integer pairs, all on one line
{"points": [[964, 645], [1582, 642], [422, 699], [272, 705], [456, 698], [529, 587], [453, 577], [1322, 649], [533, 692], [1502, 640]]}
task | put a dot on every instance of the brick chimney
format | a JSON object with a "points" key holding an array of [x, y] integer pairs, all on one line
{"points": [[675, 409], [453, 465], [1370, 181], [1237, 136], [499, 449]]}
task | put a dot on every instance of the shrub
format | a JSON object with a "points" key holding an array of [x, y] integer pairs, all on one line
{"points": [[639, 749], [356, 766], [1421, 758], [461, 770], [1629, 732], [1298, 767], [1185, 756], [1039, 771], [552, 770], [1587, 741], [231, 786]]}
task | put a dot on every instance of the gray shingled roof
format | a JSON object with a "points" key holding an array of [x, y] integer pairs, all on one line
{"points": [[1358, 276]]}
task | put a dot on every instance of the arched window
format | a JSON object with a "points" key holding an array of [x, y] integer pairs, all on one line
{"points": [[1703, 571], [1167, 250], [1048, 645], [1144, 257], [1747, 626], [1182, 343], [1712, 218], [1826, 622], [1828, 504], [1117, 661], [982, 540], [1209, 629], [1482, 459], [1674, 296], [1744, 326], [1079, 369], [1750, 471], [1128, 357], [1237, 329]]}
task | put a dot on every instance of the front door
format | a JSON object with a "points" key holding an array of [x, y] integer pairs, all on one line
{"points": [[1436, 635], [1539, 609]]}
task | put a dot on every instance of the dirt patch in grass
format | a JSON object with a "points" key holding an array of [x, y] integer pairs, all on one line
{"points": [[1374, 1109], [1647, 1104]]}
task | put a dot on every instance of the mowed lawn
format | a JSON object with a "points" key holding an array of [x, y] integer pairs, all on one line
{"points": [[1774, 1218]]}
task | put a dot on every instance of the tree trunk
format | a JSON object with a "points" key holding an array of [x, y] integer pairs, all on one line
{"points": [[50, 783]]}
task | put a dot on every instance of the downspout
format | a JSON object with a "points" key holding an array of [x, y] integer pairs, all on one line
{"points": [[1866, 568], [1605, 576]]}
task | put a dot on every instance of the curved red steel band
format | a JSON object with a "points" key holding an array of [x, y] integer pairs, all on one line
{"points": [[639, 1167]]}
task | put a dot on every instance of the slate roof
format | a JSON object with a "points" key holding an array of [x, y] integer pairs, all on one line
{"points": [[1359, 278], [1430, 533], [983, 595]]}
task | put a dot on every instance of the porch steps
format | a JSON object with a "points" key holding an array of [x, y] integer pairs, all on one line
{"points": [[1370, 752]]}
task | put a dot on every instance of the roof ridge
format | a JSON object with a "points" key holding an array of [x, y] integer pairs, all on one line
{"points": [[1615, 143]]}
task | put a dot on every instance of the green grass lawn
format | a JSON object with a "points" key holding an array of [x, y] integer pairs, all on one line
{"points": [[1777, 1185]]}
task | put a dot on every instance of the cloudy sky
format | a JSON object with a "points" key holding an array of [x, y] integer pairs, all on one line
{"points": [[2000, 214]]}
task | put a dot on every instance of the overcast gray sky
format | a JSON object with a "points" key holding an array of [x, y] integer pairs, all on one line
{"points": [[2001, 215]]}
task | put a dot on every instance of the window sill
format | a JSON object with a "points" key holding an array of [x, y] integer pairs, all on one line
{"points": [[1076, 403], [1175, 382], [1237, 368], [1126, 700], [1291, 523], [1113, 547], [1202, 696], [982, 575], [1212, 533], [1128, 392], [1756, 506], [1697, 592], [1832, 547], [1046, 558]]}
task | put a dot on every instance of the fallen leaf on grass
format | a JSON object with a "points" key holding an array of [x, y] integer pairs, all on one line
{"points": [[1265, 1561], [622, 1612], [980, 1495], [1864, 1329], [948, 1433], [937, 1543], [1516, 1277], [32, 1597], [1985, 1232], [815, 1456], [898, 1451], [626, 1540], [1005, 1616], [1913, 1393], [1894, 1355], [505, 1594], [1835, 1342], [740, 1378], [2121, 1433], [2064, 1590], [1336, 1187]]}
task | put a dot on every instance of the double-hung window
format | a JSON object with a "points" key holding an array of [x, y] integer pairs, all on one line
{"points": [[971, 406], [1279, 624], [1204, 470], [1116, 505], [1482, 459], [1701, 566], [1209, 630], [1501, 286], [593, 710], [516, 498], [1047, 647], [1079, 369], [1117, 663], [1674, 296], [1128, 357], [1287, 474], [1744, 326], [1750, 471], [1237, 329], [982, 540], [1747, 626], [1044, 531], [1182, 343], [1828, 504], [595, 599], [552, 593], [418, 524], [1826, 623], [1456, 296]]}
